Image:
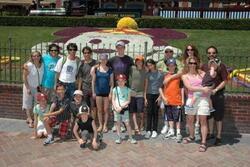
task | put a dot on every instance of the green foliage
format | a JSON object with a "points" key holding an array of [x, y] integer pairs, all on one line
{"points": [[144, 22]]}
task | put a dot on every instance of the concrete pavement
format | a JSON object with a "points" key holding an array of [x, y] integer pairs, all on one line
{"points": [[17, 149]]}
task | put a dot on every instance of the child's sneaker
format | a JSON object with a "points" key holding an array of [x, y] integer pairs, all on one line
{"points": [[114, 128], [169, 135], [148, 134], [48, 140], [178, 138], [118, 140], [211, 110], [132, 141], [154, 134], [164, 129], [123, 129]]}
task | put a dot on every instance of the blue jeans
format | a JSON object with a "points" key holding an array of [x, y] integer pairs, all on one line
{"points": [[69, 89]]}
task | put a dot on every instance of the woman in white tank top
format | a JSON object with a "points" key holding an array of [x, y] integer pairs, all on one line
{"points": [[32, 78], [192, 79]]}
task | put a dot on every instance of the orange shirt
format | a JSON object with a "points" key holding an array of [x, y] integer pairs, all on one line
{"points": [[172, 91]]}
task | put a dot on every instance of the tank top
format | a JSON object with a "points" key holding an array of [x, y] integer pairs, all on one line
{"points": [[86, 125], [35, 75], [194, 80], [102, 82]]}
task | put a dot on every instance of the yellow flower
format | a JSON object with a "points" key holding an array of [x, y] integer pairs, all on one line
{"points": [[127, 22]]}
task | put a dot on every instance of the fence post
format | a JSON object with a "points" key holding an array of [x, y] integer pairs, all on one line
{"points": [[145, 50], [10, 53]]}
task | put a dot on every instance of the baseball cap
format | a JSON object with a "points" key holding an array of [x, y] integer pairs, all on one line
{"points": [[139, 57], [121, 76], [170, 61], [78, 92], [83, 109], [41, 96], [103, 56], [120, 43], [168, 48]]}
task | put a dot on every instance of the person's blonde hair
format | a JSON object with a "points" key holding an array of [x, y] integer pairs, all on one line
{"points": [[186, 65]]}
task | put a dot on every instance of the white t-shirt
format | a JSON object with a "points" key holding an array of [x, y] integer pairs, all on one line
{"points": [[34, 72], [68, 71]]}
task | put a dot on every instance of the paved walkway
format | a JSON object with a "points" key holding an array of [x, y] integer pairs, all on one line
{"points": [[17, 149]]}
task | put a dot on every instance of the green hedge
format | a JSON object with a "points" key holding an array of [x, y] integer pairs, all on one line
{"points": [[144, 22]]}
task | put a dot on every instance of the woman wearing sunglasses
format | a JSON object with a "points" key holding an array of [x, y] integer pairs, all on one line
{"points": [[192, 79]]}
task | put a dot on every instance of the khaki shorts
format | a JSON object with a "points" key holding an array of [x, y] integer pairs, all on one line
{"points": [[121, 117], [201, 106]]}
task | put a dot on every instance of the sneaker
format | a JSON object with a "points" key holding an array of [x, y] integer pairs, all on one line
{"points": [[148, 134], [197, 130], [48, 140], [164, 129], [132, 141], [118, 140], [211, 110], [123, 129], [170, 135], [154, 134], [114, 128], [179, 138]]}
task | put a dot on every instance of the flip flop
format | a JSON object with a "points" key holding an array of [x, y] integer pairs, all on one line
{"points": [[105, 130], [203, 147], [31, 125], [137, 131]]}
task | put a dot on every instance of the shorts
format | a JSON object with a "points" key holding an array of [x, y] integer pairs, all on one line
{"points": [[201, 106], [136, 105], [40, 127], [103, 95], [63, 125], [29, 99], [86, 135], [218, 101], [173, 113], [121, 117]]}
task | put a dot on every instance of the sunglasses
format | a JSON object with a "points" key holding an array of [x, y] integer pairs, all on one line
{"points": [[54, 50], [194, 63], [211, 53], [170, 51], [190, 49], [72, 50]]}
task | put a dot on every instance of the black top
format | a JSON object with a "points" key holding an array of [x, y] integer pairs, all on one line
{"points": [[86, 125], [64, 104]]}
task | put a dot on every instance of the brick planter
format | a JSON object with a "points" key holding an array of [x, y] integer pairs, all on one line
{"points": [[237, 112]]}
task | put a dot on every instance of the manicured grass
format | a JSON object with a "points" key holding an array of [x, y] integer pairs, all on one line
{"points": [[27, 36]]}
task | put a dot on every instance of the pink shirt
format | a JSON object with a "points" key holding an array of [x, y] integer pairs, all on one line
{"points": [[194, 80]]}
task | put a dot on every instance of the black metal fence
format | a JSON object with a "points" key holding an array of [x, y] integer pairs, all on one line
{"points": [[13, 57]]}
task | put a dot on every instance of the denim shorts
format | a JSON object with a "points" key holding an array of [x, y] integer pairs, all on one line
{"points": [[136, 105], [173, 113]]}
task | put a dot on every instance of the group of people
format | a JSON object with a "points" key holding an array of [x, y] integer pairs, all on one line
{"points": [[77, 94]]}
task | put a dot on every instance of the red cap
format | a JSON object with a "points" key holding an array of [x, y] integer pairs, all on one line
{"points": [[121, 76], [41, 96]]}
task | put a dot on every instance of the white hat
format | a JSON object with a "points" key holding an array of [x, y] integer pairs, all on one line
{"points": [[78, 92], [168, 48], [120, 43]]}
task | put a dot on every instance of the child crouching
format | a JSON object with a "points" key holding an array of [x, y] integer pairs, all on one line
{"points": [[87, 127]]}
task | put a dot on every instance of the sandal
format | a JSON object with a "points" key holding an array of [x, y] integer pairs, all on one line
{"points": [[105, 130], [30, 124], [203, 147], [137, 131], [99, 129], [188, 140]]}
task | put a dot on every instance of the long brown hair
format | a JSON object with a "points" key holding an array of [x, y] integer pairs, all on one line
{"points": [[196, 53]]}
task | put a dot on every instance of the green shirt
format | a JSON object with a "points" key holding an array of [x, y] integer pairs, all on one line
{"points": [[137, 81]]}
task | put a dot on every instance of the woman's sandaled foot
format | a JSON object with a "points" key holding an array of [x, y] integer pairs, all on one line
{"points": [[30, 124], [105, 130], [188, 140], [203, 147], [99, 129], [137, 131]]}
